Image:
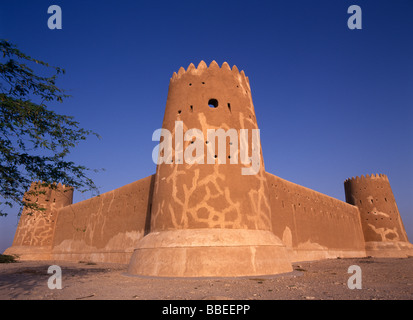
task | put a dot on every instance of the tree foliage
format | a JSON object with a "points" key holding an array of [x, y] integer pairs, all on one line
{"points": [[34, 140]]}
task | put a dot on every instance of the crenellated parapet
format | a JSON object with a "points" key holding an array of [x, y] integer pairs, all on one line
{"points": [[368, 177], [203, 69]]}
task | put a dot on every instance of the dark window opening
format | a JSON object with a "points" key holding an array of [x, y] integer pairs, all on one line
{"points": [[229, 107], [213, 103], [192, 108], [179, 111]]}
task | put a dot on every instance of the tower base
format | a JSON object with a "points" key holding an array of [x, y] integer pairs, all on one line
{"points": [[30, 252], [389, 249], [209, 253]]}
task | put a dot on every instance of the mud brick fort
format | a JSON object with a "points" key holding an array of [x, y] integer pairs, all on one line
{"points": [[200, 220]]}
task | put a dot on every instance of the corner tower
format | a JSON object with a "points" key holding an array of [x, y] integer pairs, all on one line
{"points": [[34, 235], [211, 214], [383, 228]]}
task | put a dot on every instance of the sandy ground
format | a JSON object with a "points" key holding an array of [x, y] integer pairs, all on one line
{"points": [[327, 280]]}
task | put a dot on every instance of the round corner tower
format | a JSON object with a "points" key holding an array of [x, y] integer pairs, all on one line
{"points": [[34, 235], [382, 226], [211, 214]]}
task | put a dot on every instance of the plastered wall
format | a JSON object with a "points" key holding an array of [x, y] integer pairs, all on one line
{"points": [[104, 228], [313, 225]]}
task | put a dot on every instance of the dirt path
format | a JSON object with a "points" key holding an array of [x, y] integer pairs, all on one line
{"points": [[381, 279]]}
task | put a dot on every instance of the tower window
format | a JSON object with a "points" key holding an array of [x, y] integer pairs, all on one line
{"points": [[213, 103]]}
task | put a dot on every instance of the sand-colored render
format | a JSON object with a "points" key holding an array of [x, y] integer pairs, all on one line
{"points": [[211, 209]]}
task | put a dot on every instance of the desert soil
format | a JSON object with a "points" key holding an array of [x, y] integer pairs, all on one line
{"points": [[327, 280]]}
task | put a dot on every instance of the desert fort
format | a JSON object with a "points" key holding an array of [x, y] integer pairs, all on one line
{"points": [[206, 218]]}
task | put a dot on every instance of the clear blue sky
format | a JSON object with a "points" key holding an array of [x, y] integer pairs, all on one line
{"points": [[331, 103]]}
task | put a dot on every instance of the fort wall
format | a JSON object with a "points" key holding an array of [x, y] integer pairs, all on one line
{"points": [[313, 225], [105, 228]]}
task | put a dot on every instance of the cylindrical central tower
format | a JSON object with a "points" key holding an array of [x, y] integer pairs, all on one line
{"points": [[211, 214]]}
